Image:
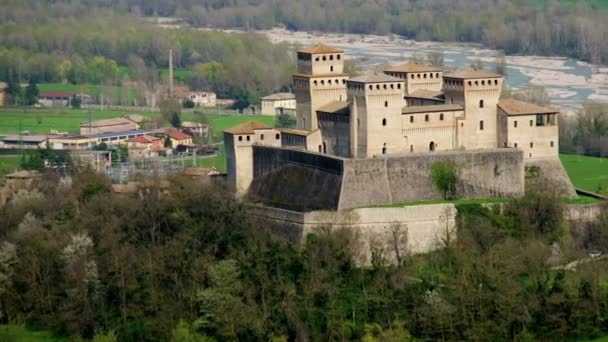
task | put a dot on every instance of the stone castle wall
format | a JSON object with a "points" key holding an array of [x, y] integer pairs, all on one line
{"points": [[407, 178], [305, 181]]}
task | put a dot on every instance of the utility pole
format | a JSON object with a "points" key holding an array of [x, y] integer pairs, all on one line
{"points": [[170, 73]]}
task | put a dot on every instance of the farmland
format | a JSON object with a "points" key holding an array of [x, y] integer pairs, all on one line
{"points": [[589, 173]]}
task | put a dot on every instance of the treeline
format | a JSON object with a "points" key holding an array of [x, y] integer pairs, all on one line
{"points": [[587, 132], [190, 264], [576, 29], [116, 49]]}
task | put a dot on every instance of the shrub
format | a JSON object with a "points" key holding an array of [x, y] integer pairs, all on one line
{"points": [[445, 178]]}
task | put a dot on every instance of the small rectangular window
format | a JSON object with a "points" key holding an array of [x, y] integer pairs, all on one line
{"points": [[531, 145], [552, 144], [531, 123], [481, 125], [515, 124]]}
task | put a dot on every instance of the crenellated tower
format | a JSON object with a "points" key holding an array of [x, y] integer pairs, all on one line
{"points": [[319, 81], [375, 106], [478, 91]]}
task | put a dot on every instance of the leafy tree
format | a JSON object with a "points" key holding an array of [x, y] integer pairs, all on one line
{"points": [[75, 101], [501, 63], [171, 110], [31, 93], [13, 92], [285, 121], [445, 176]]}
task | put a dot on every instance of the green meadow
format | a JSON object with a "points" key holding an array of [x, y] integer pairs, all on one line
{"points": [[588, 173]]}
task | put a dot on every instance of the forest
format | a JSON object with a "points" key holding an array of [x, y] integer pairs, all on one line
{"points": [[191, 264], [108, 49], [556, 27]]}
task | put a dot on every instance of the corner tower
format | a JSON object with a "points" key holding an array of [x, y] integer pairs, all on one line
{"points": [[320, 80], [478, 91], [376, 101]]}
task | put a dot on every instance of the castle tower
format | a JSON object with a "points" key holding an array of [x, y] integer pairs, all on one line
{"points": [[319, 81], [376, 101], [417, 76], [478, 91]]}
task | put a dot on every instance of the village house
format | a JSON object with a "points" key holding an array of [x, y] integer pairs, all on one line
{"points": [[202, 98], [122, 124], [54, 98], [278, 104], [196, 129], [9, 141], [180, 139], [143, 147]]}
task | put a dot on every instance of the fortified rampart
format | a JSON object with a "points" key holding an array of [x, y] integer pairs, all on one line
{"points": [[306, 181], [387, 231]]}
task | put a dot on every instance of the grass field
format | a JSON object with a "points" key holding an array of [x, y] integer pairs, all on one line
{"points": [[8, 164], [588, 173], [597, 4], [126, 94]]}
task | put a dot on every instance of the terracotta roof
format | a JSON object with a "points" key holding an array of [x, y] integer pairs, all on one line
{"points": [[318, 75], [336, 107], [192, 124], [293, 131], [108, 122], [247, 128], [176, 135], [412, 67], [472, 73], [144, 139], [279, 96], [516, 107], [426, 94], [375, 78], [319, 49], [431, 109], [135, 118]]}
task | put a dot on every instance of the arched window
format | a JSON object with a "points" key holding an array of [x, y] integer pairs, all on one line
{"points": [[515, 145], [426, 117], [411, 118], [331, 68], [277, 136], [418, 75], [329, 82], [437, 75], [399, 86], [240, 138], [515, 124], [322, 82], [531, 145], [432, 146], [552, 144], [424, 76], [338, 57], [476, 83], [412, 76], [331, 57], [262, 137], [324, 58], [383, 122], [384, 86], [392, 86], [431, 75], [483, 83], [470, 83], [481, 125], [384, 148], [377, 86], [495, 82], [315, 82], [441, 116], [480, 103], [248, 138], [385, 103]]}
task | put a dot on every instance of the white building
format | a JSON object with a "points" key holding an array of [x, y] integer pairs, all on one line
{"points": [[278, 104]]}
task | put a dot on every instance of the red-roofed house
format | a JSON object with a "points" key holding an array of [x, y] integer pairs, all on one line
{"points": [[144, 147], [54, 98], [179, 138]]}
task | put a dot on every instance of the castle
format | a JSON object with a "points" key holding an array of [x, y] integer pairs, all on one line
{"points": [[410, 111]]}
